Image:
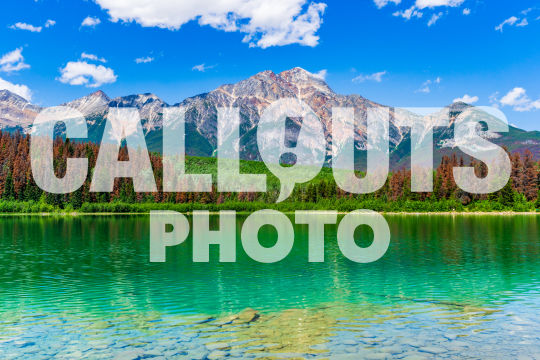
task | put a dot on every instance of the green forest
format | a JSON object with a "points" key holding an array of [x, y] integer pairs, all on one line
{"points": [[19, 193]]}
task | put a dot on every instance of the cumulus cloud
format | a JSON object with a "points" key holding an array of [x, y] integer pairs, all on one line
{"points": [[145, 60], [377, 77], [467, 99], [382, 3], [25, 26], [518, 99], [321, 74], [13, 61], [83, 73], [49, 23], [21, 90], [466, 11], [91, 21], [434, 18], [266, 23], [92, 57], [421, 4]]}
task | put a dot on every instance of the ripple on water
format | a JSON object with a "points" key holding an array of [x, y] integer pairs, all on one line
{"points": [[448, 287]]}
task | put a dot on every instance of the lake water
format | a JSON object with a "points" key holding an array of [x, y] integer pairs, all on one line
{"points": [[449, 287]]}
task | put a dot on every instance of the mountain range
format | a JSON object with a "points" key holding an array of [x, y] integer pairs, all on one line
{"points": [[252, 96]]}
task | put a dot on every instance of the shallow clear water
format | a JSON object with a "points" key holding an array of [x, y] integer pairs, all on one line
{"points": [[449, 287]]}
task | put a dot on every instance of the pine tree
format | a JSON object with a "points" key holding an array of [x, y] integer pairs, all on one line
{"points": [[9, 189], [76, 199], [507, 195]]}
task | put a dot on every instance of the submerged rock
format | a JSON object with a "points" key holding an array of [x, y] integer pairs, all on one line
{"points": [[246, 316]]}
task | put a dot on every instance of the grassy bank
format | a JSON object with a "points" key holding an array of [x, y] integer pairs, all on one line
{"points": [[340, 205]]}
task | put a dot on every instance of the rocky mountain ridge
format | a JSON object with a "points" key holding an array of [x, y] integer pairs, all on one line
{"points": [[252, 96]]}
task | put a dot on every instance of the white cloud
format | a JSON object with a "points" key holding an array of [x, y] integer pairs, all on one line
{"points": [[424, 89], [21, 90], [421, 4], [92, 57], [266, 23], [13, 61], [25, 26], [409, 13], [523, 22], [426, 86], [512, 21], [91, 21], [419, 8], [517, 98], [144, 60], [434, 18], [83, 73], [467, 99], [321, 74], [377, 77], [493, 99], [202, 67], [382, 3], [29, 27]]}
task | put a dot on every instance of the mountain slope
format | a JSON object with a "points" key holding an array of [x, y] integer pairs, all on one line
{"points": [[252, 96], [16, 112]]}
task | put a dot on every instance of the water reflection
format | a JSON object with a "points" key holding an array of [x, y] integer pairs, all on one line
{"points": [[458, 286]]}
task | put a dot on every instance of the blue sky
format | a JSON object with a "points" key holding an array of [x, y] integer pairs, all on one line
{"points": [[400, 53]]}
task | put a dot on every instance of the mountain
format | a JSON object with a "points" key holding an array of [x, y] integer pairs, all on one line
{"points": [[149, 106], [252, 96], [93, 104], [16, 113]]}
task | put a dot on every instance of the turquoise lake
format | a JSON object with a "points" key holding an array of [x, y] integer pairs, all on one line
{"points": [[449, 286]]}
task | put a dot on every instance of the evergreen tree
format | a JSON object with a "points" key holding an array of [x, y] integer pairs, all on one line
{"points": [[76, 199], [9, 189], [507, 195]]}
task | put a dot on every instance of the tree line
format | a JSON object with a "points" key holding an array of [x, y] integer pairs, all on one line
{"points": [[19, 193]]}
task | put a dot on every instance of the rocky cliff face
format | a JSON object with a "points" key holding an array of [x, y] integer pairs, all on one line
{"points": [[149, 105], [95, 103], [252, 96]]}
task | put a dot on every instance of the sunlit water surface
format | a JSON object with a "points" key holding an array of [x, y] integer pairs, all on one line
{"points": [[449, 287]]}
